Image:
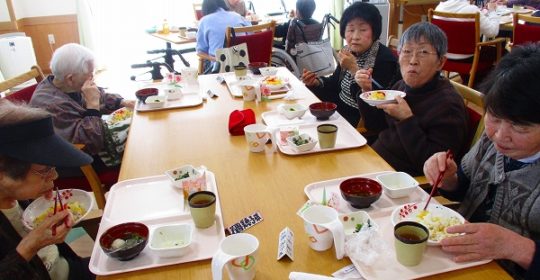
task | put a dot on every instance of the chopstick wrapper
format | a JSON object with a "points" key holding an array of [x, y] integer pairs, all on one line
{"points": [[239, 119], [308, 276]]}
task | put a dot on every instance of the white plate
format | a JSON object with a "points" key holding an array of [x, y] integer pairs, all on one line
{"points": [[154, 202], [435, 261], [315, 191], [347, 137], [40, 205], [412, 212], [390, 97]]}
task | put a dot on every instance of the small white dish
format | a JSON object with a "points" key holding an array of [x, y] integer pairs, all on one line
{"points": [[397, 184], [80, 203], [379, 97], [291, 111], [155, 101], [170, 241], [436, 219], [308, 142], [185, 174], [357, 221], [268, 71]]}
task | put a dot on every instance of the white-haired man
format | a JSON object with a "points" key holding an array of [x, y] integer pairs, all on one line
{"points": [[75, 102]]}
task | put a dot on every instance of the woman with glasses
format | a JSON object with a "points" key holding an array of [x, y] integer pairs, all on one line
{"points": [[498, 180], [431, 118], [360, 26], [29, 153]]}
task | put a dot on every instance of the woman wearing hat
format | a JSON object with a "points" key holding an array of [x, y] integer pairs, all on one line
{"points": [[29, 153]]}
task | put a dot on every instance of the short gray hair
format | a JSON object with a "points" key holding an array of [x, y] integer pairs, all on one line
{"points": [[429, 32], [71, 59]]}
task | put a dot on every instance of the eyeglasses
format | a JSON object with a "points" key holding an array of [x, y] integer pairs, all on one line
{"points": [[45, 172], [421, 54]]}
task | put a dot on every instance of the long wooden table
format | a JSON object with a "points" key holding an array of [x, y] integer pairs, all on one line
{"points": [[270, 183]]}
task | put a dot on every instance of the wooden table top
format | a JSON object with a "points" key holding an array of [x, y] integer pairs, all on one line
{"points": [[272, 184], [174, 37]]}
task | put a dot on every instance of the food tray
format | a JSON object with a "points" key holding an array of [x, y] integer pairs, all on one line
{"points": [[154, 202], [314, 192], [274, 118], [347, 137], [187, 100], [236, 91], [435, 261]]}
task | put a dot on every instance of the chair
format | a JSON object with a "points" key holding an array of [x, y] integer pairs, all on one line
{"points": [[259, 39], [392, 44], [25, 93], [197, 10], [526, 28], [91, 180], [463, 32]]}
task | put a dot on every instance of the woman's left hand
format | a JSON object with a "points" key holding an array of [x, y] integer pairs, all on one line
{"points": [[347, 61], [484, 241], [399, 111]]}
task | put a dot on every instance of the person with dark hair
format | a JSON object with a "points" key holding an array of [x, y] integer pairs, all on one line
{"points": [[361, 26], [212, 27], [431, 118], [498, 180], [29, 152], [291, 31]]}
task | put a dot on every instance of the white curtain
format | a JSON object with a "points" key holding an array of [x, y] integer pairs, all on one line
{"points": [[116, 29]]}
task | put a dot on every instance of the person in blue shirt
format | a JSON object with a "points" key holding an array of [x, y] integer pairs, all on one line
{"points": [[211, 34]]}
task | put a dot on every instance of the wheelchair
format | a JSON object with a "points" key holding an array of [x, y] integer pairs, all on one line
{"points": [[281, 58]]}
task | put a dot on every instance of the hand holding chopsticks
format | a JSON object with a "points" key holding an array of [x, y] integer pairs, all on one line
{"points": [[439, 178]]}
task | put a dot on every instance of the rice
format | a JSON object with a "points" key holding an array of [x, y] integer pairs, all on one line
{"points": [[437, 225]]}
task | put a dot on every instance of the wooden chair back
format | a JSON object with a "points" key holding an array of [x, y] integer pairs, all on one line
{"points": [[23, 94], [526, 28]]}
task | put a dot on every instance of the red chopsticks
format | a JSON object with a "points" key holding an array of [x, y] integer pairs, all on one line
{"points": [[57, 199], [439, 179]]}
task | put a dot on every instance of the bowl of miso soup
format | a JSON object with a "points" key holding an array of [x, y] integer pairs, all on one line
{"points": [[124, 241]]}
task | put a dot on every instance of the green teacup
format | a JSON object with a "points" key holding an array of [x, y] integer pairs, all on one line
{"points": [[410, 242], [327, 135], [202, 206]]}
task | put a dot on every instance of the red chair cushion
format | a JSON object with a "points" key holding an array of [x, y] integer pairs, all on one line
{"points": [[524, 33], [464, 30], [259, 45], [24, 94]]}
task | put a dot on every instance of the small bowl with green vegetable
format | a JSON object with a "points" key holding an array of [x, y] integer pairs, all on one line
{"points": [[188, 178], [301, 143], [291, 111], [357, 221]]}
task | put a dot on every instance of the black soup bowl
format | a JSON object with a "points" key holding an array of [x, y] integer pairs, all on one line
{"points": [[322, 110], [144, 93], [360, 192], [134, 236]]}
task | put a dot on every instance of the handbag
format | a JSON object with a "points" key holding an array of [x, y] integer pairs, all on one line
{"points": [[233, 56], [315, 56]]}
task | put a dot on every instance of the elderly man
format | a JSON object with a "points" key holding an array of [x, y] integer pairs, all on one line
{"points": [[75, 102]]}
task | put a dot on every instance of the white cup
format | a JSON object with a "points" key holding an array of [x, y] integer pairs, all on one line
{"points": [[257, 135], [189, 75], [323, 226], [173, 93], [238, 253]]}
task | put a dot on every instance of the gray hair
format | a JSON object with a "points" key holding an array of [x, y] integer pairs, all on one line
{"points": [[71, 59], [429, 32]]}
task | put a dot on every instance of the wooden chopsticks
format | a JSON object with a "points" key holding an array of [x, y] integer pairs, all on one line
{"points": [[58, 199], [449, 155]]}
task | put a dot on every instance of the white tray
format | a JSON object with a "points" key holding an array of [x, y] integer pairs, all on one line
{"points": [[153, 201], [314, 192], [347, 137], [274, 118], [435, 261], [187, 100], [236, 91]]}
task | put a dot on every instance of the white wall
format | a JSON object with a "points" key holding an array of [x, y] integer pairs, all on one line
{"points": [[4, 13], [39, 8]]}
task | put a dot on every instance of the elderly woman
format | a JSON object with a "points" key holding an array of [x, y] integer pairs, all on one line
{"points": [[498, 180], [361, 26], [74, 100], [212, 27], [431, 118], [29, 152]]}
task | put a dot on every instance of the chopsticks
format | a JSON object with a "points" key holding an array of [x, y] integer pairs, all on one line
{"points": [[376, 83], [439, 179], [57, 199]]}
